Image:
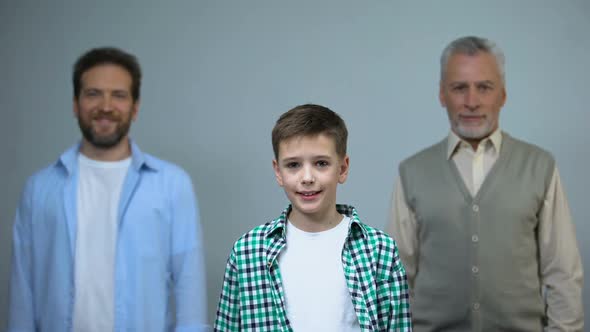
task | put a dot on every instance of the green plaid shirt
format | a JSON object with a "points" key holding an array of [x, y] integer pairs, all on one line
{"points": [[252, 298]]}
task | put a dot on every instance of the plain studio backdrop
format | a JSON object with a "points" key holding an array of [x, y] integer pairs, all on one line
{"points": [[217, 74]]}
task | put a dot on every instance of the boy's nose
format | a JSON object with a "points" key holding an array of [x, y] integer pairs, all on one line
{"points": [[307, 176]]}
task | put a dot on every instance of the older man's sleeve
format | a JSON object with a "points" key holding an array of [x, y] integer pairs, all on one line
{"points": [[188, 267], [561, 266], [402, 227], [21, 306]]}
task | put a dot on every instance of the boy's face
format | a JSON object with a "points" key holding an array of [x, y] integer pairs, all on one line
{"points": [[309, 169]]}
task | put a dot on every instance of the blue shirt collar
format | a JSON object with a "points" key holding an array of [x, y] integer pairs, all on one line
{"points": [[69, 159]]}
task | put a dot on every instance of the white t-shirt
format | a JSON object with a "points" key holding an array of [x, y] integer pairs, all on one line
{"points": [[317, 297], [99, 189]]}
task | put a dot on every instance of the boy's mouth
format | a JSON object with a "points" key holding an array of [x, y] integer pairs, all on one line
{"points": [[309, 195]]}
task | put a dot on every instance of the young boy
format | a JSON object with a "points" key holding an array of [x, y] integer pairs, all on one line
{"points": [[316, 267]]}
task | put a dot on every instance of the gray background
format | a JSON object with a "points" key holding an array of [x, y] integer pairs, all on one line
{"points": [[219, 73]]}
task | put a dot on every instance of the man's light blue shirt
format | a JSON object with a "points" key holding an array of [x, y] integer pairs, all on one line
{"points": [[159, 252]]}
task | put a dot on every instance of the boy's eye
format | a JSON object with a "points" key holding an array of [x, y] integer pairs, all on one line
{"points": [[292, 164], [322, 163]]}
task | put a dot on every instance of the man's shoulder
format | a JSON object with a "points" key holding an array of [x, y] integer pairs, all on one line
{"points": [[166, 170], [162, 164], [421, 156], [46, 182], [531, 150], [51, 174]]}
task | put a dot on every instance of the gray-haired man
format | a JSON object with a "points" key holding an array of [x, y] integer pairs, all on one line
{"points": [[481, 219]]}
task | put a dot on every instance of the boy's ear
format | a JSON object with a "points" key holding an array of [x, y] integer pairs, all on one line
{"points": [[344, 167], [275, 167]]}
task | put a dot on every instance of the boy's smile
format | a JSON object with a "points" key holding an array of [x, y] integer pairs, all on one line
{"points": [[309, 195], [309, 169]]}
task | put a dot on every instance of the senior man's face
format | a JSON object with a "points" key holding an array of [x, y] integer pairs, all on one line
{"points": [[473, 93]]}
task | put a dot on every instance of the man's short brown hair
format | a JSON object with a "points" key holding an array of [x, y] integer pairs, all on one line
{"points": [[310, 120], [107, 55]]}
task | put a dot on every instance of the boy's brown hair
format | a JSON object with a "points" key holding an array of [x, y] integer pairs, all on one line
{"points": [[310, 120]]}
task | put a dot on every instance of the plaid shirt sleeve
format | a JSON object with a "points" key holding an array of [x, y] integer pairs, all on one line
{"points": [[400, 317], [228, 310], [380, 288]]}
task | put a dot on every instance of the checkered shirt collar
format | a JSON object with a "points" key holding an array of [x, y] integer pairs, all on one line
{"points": [[355, 228]]}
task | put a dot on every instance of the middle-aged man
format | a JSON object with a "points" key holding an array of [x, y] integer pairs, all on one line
{"points": [[481, 219], [105, 236]]}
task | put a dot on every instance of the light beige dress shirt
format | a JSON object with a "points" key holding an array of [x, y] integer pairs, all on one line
{"points": [[560, 263]]}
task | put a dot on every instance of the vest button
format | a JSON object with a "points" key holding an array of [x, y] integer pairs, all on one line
{"points": [[474, 238], [475, 208], [476, 306], [474, 269]]}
